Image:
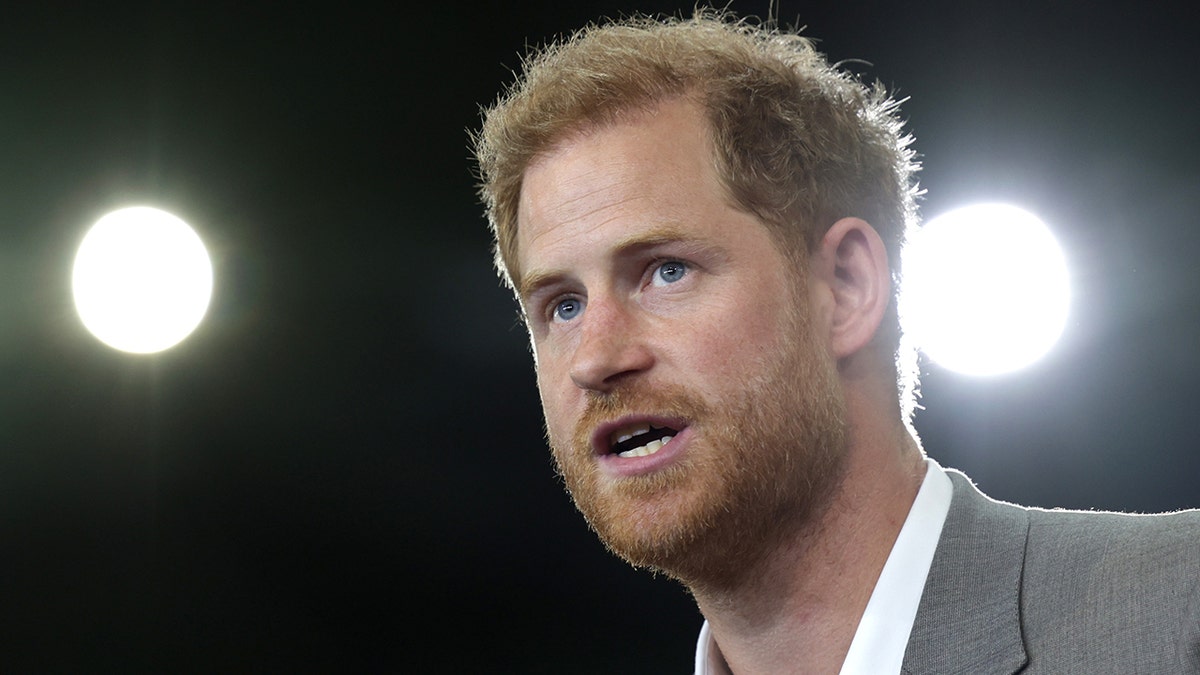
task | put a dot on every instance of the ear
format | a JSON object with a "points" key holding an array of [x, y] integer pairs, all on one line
{"points": [[852, 263]]}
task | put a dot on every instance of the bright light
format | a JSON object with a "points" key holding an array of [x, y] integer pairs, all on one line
{"points": [[986, 289], [142, 280]]}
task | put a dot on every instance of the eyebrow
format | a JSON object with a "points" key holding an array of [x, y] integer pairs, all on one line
{"points": [[657, 236]]}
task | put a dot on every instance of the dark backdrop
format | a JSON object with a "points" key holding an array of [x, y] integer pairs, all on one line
{"points": [[342, 469]]}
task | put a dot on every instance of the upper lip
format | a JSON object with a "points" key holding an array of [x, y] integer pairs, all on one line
{"points": [[601, 436]]}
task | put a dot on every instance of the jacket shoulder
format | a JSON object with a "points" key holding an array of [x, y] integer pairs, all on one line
{"points": [[1104, 590]]}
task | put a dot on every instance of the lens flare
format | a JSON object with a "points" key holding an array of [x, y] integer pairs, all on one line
{"points": [[142, 280], [986, 289]]}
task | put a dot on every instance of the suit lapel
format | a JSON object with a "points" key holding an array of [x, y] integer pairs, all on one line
{"points": [[969, 617]]}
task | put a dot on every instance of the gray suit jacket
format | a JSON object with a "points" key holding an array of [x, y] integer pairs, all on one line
{"points": [[1023, 590]]}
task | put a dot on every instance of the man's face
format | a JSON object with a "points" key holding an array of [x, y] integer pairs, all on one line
{"points": [[692, 412]]}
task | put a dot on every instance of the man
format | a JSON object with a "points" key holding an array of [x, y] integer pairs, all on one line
{"points": [[702, 221]]}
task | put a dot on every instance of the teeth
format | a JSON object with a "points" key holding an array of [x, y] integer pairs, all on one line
{"points": [[631, 432], [647, 449]]}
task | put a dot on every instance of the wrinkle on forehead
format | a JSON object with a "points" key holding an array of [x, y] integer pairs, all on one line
{"points": [[632, 168], [576, 156], [580, 200]]}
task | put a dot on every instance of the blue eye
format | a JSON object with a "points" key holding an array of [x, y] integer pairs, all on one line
{"points": [[669, 272], [568, 309]]}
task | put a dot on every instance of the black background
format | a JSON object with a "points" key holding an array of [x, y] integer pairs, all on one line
{"points": [[342, 469]]}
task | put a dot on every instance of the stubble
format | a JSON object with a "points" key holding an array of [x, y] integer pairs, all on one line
{"points": [[761, 466]]}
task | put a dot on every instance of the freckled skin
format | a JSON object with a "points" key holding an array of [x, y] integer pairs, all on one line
{"points": [[606, 186], [726, 345]]}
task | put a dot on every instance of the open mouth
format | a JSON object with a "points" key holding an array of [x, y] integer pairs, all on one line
{"points": [[639, 440]]}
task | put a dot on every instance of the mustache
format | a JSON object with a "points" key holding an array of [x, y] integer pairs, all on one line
{"points": [[661, 401]]}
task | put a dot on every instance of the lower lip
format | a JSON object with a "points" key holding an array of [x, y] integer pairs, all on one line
{"points": [[635, 466]]}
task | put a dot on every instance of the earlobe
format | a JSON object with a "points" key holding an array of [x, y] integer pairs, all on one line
{"points": [[854, 264]]}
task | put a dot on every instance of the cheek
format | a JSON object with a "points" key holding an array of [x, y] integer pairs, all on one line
{"points": [[753, 333], [555, 400]]}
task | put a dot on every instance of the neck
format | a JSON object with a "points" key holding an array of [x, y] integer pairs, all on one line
{"points": [[798, 609]]}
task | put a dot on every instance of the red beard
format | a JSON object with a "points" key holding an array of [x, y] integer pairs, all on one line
{"points": [[760, 464]]}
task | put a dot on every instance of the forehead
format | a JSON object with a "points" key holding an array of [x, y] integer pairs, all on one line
{"points": [[650, 169]]}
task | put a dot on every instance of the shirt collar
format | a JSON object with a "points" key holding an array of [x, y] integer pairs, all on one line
{"points": [[882, 634]]}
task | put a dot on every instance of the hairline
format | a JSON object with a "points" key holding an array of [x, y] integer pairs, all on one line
{"points": [[789, 240]]}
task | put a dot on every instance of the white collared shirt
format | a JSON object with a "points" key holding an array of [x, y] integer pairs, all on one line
{"points": [[882, 634]]}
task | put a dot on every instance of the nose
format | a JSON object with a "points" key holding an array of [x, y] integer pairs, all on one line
{"points": [[611, 347]]}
